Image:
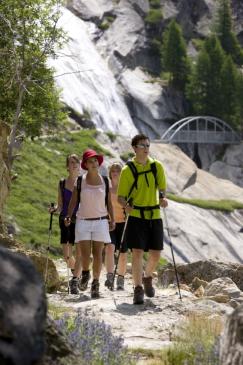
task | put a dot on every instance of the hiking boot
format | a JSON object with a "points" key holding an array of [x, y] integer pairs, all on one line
{"points": [[84, 280], [95, 289], [120, 282], [148, 288], [138, 295], [109, 280], [74, 286]]}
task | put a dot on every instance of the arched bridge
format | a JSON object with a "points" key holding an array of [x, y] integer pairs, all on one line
{"points": [[200, 129]]}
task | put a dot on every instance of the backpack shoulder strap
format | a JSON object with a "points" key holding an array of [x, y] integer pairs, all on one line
{"points": [[154, 172], [134, 171], [79, 184], [62, 187], [106, 180]]}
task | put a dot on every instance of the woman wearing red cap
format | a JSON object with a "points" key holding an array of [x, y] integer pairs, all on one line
{"points": [[92, 225]]}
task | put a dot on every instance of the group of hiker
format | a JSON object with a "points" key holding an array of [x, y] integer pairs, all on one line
{"points": [[112, 214]]}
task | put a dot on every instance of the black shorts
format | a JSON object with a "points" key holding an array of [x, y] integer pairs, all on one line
{"points": [[67, 233], [144, 234], [116, 237]]}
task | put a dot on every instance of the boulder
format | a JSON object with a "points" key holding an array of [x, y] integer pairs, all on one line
{"points": [[230, 166], [8, 242], [231, 344], [90, 10], [223, 286], [199, 292], [196, 283], [41, 262], [207, 270], [56, 341], [22, 310]]}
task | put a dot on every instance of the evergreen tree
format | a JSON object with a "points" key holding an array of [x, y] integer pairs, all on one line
{"points": [[240, 101], [224, 31], [197, 88], [229, 91], [29, 34], [205, 87], [174, 56], [216, 57]]}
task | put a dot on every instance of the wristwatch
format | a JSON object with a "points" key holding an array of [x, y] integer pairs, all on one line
{"points": [[161, 195]]}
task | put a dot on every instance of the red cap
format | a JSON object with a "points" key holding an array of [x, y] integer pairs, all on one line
{"points": [[88, 154]]}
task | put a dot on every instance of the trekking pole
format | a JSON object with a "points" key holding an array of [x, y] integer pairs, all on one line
{"points": [[48, 244], [122, 239], [172, 253]]}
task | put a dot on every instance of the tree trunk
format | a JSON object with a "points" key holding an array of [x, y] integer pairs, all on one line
{"points": [[15, 126], [4, 171]]}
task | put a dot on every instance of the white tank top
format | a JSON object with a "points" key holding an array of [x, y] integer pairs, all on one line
{"points": [[92, 200]]}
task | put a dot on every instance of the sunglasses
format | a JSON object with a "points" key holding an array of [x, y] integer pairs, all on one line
{"points": [[143, 145]]}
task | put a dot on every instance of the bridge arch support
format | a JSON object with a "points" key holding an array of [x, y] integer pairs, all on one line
{"points": [[200, 129]]}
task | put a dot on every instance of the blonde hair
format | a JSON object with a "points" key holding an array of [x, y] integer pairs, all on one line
{"points": [[116, 165]]}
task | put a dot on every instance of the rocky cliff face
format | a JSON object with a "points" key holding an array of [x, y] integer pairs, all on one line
{"points": [[4, 172], [124, 40], [120, 35]]}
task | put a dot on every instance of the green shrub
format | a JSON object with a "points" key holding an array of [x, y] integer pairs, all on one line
{"points": [[154, 16], [156, 45], [196, 341], [198, 43], [155, 4], [110, 18], [106, 22], [104, 25], [112, 136]]}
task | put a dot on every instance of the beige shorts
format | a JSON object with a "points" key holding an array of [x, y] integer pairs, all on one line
{"points": [[97, 230]]}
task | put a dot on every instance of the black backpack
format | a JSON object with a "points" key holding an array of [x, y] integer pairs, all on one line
{"points": [[79, 184], [136, 174]]}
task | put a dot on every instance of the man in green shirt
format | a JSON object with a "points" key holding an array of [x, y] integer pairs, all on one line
{"points": [[141, 191]]}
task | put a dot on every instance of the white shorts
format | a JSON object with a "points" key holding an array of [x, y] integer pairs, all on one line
{"points": [[97, 230]]}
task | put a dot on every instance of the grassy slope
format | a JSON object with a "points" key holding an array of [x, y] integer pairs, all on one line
{"points": [[222, 205], [39, 169]]}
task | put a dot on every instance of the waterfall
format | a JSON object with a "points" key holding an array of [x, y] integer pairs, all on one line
{"points": [[87, 85]]}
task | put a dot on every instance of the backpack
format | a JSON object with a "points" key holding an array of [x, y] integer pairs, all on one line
{"points": [[62, 187], [136, 174], [79, 184]]}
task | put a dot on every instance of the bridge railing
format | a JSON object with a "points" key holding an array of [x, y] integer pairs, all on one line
{"points": [[200, 136]]}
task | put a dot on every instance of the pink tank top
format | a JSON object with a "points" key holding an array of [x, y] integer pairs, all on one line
{"points": [[92, 200]]}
